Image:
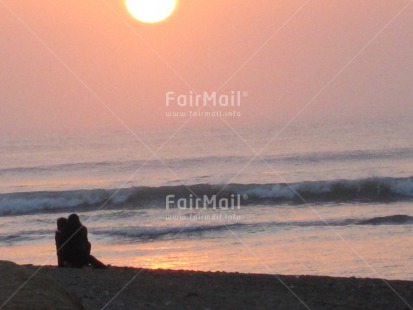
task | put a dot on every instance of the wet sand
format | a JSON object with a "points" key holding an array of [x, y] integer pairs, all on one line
{"points": [[87, 288]]}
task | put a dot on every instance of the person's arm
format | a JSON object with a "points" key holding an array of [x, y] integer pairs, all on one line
{"points": [[58, 240], [86, 234], [85, 242]]}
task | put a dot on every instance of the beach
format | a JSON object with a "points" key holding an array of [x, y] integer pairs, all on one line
{"points": [[338, 209], [214, 154], [134, 288]]}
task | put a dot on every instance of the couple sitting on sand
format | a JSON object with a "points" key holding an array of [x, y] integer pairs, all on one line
{"points": [[72, 245]]}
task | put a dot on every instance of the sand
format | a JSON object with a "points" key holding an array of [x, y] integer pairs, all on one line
{"points": [[38, 293], [87, 288]]}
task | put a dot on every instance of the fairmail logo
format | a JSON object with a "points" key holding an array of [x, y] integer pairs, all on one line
{"points": [[203, 202], [204, 99]]}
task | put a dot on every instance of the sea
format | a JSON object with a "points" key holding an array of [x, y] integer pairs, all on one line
{"points": [[331, 199]]}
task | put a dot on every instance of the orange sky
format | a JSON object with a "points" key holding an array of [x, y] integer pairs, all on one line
{"points": [[93, 57]]}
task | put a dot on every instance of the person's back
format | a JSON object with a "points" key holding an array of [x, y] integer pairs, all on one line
{"points": [[77, 244], [60, 240]]}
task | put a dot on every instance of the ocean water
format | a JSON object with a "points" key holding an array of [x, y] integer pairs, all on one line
{"points": [[325, 199]]}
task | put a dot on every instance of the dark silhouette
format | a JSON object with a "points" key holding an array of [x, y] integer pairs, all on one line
{"points": [[73, 246], [75, 250], [59, 238]]}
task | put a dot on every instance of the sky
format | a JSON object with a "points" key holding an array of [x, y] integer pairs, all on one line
{"points": [[88, 65]]}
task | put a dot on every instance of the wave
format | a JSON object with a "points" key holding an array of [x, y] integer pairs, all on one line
{"points": [[311, 158], [352, 191], [360, 190], [213, 229], [354, 155], [399, 219], [152, 233], [133, 233], [25, 235]]}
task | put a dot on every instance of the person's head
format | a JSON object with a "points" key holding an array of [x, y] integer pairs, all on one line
{"points": [[73, 219], [61, 223]]}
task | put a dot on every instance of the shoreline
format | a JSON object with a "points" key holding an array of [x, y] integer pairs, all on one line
{"points": [[89, 288]]}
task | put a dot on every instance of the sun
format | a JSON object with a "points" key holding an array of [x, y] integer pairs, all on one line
{"points": [[151, 11]]}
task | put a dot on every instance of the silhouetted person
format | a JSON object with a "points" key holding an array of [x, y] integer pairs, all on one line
{"points": [[76, 248], [59, 239]]}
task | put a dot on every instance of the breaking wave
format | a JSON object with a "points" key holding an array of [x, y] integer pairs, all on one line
{"points": [[361, 191]]}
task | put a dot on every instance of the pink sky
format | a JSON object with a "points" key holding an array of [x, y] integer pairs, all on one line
{"points": [[93, 57]]}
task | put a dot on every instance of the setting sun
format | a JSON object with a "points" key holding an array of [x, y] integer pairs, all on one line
{"points": [[150, 11]]}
